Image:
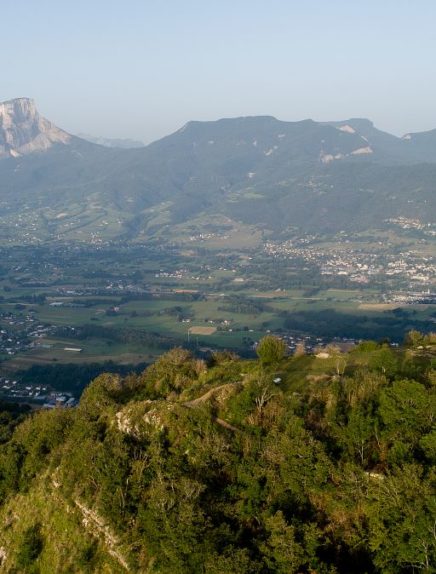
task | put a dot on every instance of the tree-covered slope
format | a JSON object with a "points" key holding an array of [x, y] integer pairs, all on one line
{"points": [[305, 464], [316, 177]]}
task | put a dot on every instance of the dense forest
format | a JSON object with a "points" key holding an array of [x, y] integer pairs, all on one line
{"points": [[319, 463]]}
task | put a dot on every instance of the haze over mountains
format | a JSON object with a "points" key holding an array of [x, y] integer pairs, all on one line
{"points": [[273, 175], [123, 143]]}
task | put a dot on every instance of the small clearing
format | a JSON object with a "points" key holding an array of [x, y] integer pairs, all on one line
{"points": [[378, 306], [202, 330]]}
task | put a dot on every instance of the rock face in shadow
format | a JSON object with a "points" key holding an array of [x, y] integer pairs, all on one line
{"points": [[23, 130]]}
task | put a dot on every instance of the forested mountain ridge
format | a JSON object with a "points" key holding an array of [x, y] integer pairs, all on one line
{"points": [[313, 463], [311, 176]]}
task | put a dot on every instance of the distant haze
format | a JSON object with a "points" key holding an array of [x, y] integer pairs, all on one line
{"points": [[141, 70]]}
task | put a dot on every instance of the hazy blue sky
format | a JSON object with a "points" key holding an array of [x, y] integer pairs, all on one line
{"points": [[142, 68]]}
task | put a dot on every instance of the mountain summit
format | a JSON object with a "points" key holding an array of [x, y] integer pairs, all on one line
{"points": [[23, 130], [275, 176]]}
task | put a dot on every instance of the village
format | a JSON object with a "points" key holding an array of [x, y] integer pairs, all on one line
{"points": [[21, 332], [72, 304], [41, 396], [408, 269]]}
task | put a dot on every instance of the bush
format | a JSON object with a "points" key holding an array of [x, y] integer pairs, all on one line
{"points": [[271, 349], [30, 548]]}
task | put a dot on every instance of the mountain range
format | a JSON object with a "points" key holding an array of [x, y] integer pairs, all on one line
{"points": [[272, 175]]}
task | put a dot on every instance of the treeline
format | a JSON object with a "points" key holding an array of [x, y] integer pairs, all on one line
{"points": [[11, 414], [329, 323], [235, 304], [73, 378], [118, 335]]}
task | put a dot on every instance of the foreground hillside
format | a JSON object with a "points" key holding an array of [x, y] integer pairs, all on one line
{"points": [[309, 464]]}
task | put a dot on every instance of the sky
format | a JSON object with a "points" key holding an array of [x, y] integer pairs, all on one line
{"points": [[142, 68]]}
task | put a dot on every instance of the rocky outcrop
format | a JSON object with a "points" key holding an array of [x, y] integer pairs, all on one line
{"points": [[3, 556], [97, 525], [23, 130]]}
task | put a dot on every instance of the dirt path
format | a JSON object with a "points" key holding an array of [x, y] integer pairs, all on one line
{"points": [[209, 395]]}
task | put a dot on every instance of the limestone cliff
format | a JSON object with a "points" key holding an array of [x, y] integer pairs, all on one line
{"points": [[23, 130]]}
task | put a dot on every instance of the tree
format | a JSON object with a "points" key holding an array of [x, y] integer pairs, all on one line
{"points": [[413, 338], [271, 350], [401, 517], [384, 360], [282, 552], [356, 436]]}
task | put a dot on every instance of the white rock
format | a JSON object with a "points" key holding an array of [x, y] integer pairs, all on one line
{"points": [[23, 130]]}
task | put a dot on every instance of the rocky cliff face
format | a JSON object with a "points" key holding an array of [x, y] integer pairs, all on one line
{"points": [[23, 130]]}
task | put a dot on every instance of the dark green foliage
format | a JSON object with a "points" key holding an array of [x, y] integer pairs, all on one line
{"points": [[71, 377], [30, 548], [401, 521], [32, 445], [123, 335], [87, 559], [214, 468], [245, 305], [11, 415], [331, 323]]}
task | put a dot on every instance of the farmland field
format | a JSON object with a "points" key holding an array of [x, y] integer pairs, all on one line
{"points": [[130, 304]]}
